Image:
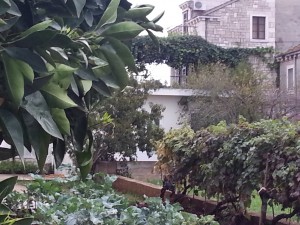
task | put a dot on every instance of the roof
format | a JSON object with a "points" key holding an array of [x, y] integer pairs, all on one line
{"points": [[291, 51], [219, 7]]}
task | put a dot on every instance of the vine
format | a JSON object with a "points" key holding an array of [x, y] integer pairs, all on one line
{"points": [[178, 51]]}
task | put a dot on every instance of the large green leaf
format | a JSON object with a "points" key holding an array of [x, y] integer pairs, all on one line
{"points": [[9, 24], [101, 88], [124, 53], [39, 139], [13, 129], [7, 186], [79, 130], [123, 30], [25, 55], [37, 27], [117, 67], [4, 6], [59, 151], [59, 116], [57, 97], [110, 14], [14, 78], [62, 75], [85, 158], [37, 107], [157, 18], [6, 153], [79, 4], [139, 12], [85, 86], [37, 84], [38, 38]]}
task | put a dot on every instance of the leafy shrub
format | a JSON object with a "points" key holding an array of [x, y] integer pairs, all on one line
{"points": [[17, 167], [249, 155], [73, 202]]}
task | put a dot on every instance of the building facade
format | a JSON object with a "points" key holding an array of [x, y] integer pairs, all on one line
{"points": [[241, 23]]}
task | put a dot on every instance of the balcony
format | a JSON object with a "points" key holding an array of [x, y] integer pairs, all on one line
{"points": [[183, 30]]}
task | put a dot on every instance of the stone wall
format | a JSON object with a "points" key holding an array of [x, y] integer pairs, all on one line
{"points": [[141, 170], [233, 29]]}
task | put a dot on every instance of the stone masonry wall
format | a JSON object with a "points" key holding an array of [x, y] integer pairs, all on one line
{"points": [[233, 28]]}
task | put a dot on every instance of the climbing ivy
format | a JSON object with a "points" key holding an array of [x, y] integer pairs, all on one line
{"points": [[178, 51]]}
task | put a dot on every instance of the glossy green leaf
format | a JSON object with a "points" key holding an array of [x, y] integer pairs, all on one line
{"points": [[157, 18], [86, 74], [79, 5], [62, 75], [27, 56], [136, 13], [2, 22], [101, 88], [6, 153], [4, 6], [13, 129], [86, 86], [85, 158], [38, 38], [37, 27], [124, 53], [37, 107], [110, 14], [60, 118], [39, 139], [14, 78], [57, 97], [79, 129], [37, 84], [7, 186], [123, 30], [153, 37], [9, 24], [117, 67], [14, 10], [59, 151]]}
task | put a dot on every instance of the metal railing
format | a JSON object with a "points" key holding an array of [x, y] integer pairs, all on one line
{"points": [[183, 30]]}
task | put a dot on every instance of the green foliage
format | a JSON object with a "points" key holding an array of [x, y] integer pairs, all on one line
{"points": [[131, 126], [7, 167], [249, 155], [74, 202], [7, 216], [52, 53], [178, 51]]}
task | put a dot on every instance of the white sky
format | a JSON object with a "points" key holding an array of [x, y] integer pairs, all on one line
{"points": [[171, 18]]}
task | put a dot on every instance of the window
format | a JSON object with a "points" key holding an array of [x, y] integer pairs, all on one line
{"points": [[290, 79], [259, 27], [185, 19]]}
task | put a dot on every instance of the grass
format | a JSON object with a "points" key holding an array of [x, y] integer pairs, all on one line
{"points": [[155, 181]]}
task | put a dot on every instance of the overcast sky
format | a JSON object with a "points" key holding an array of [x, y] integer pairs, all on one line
{"points": [[171, 18]]}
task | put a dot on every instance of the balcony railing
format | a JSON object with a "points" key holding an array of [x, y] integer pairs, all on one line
{"points": [[178, 80], [183, 30]]}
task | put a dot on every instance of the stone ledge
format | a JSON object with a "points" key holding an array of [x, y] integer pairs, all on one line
{"points": [[128, 185]]}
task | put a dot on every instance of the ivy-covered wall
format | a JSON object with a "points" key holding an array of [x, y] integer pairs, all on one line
{"points": [[178, 51]]}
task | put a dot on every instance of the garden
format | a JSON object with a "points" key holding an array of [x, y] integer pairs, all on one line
{"points": [[62, 63]]}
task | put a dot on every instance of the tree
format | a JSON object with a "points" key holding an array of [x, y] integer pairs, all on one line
{"points": [[224, 93], [52, 53], [131, 126]]}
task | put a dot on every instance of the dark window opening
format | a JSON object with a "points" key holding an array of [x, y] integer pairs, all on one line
{"points": [[258, 27]]}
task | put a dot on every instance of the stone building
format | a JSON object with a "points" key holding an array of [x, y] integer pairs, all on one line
{"points": [[241, 23]]}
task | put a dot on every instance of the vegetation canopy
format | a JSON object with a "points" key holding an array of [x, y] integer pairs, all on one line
{"points": [[263, 155], [179, 51], [52, 53]]}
